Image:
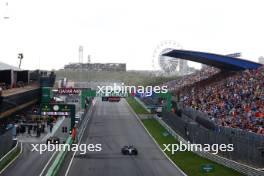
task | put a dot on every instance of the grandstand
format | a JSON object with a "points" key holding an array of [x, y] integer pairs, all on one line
{"points": [[231, 95], [236, 101], [221, 103]]}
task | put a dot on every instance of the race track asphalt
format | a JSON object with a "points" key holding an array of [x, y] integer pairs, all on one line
{"points": [[28, 163], [114, 125], [32, 163]]}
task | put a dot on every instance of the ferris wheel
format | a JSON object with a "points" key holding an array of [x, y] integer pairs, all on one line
{"points": [[166, 64]]}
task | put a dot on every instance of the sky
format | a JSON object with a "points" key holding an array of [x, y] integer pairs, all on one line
{"points": [[50, 32]]}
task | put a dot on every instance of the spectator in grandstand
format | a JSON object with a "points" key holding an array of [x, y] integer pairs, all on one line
{"points": [[192, 78], [236, 102]]}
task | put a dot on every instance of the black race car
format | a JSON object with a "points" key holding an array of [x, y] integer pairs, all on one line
{"points": [[53, 140], [129, 150], [104, 98]]}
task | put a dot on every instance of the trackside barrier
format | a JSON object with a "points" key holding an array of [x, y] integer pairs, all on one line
{"points": [[53, 170], [242, 168], [56, 165], [85, 118], [6, 160]]}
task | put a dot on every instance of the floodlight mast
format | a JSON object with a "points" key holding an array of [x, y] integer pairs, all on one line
{"points": [[6, 16], [20, 57]]}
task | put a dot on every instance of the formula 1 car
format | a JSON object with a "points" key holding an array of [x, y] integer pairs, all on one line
{"points": [[129, 150], [53, 140], [104, 98]]}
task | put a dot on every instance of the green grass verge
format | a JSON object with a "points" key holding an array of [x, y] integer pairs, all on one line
{"points": [[9, 158], [189, 162], [136, 106]]}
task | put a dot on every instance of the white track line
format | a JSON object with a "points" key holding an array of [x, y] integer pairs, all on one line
{"points": [[13, 159], [54, 130], [47, 163], [154, 139], [68, 169]]}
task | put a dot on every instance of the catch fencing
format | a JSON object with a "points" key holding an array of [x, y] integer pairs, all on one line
{"points": [[248, 147]]}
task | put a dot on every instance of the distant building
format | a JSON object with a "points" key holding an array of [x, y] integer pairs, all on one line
{"points": [[118, 67], [4, 66], [261, 60]]}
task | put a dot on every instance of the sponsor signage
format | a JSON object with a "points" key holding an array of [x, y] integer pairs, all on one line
{"points": [[69, 91], [207, 168], [165, 133], [56, 109], [52, 113], [234, 55], [111, 94], [67, 110]]}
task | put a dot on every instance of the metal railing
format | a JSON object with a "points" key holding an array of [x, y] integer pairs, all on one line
{"points": [[242, 168]]}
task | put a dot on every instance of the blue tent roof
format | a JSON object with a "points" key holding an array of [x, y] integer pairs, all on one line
{"points": [[215, 60]]}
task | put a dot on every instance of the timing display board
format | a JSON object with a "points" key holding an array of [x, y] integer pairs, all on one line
{"points": [[59, 110]]}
